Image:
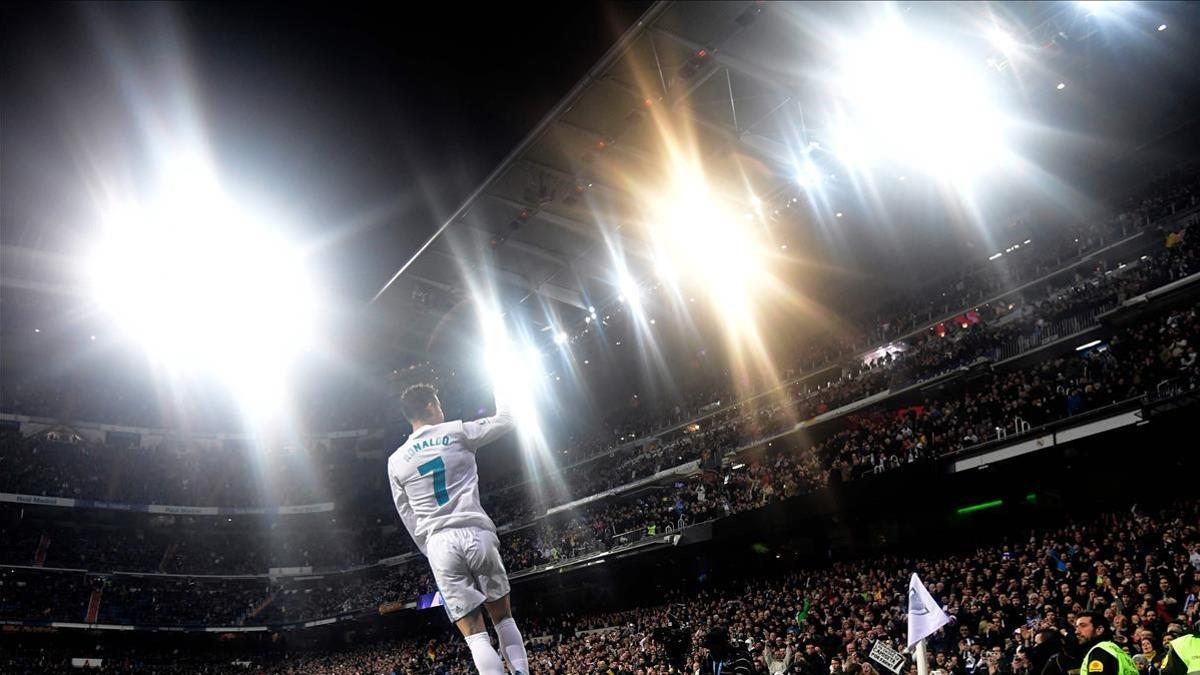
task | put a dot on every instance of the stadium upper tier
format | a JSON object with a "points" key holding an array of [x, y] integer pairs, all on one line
{"points": [[1066, 301], [126, 398]]}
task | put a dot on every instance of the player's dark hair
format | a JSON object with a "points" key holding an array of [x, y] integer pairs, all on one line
{"points": [[414, 402]]}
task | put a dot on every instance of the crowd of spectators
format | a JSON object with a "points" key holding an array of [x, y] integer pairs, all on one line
{"points": [[1012, 603], [1136, 359], [937, 351], [160, 600], [339, 407], [1167, 195], [1133, 363], [33, 596], [233, 475]]}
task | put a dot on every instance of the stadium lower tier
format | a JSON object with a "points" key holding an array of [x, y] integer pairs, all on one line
{"points": [[768, 482], [1012, 594]]}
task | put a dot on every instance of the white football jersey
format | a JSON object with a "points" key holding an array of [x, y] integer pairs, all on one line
{"points": [[434, 479]]}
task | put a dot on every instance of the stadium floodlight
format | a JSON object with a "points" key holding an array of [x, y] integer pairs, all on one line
{"points": [[560, 338], [849, 147], [1101, 6], [910, 98], [206, 285], [630, 291], [515, 368], [1002, 40], [808, 175], [665, 270], [703, 241]]}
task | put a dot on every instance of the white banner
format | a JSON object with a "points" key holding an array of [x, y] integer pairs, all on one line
{"points": [[289, 571], [887, 657], [35, 499]]}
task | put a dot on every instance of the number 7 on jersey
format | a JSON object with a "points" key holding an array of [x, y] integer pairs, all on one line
{"points": [[436, 467]]}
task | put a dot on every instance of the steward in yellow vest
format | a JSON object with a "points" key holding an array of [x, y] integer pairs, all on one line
{"points": [[1101, 656]]}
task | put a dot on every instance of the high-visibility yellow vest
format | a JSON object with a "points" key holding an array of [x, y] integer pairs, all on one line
{"points": [[1125, 663], [1187, 648]]}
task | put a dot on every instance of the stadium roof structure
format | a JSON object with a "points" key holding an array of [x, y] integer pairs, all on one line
{"points": [[546, 225]]}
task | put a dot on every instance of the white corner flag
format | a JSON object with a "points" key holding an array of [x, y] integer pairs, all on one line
{"points": [[924, 614]]}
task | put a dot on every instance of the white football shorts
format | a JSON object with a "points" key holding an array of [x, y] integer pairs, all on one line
{"points": [[467, 567]]}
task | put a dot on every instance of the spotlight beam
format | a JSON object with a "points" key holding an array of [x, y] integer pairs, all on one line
{"points": [[770, 153], [622, 148], [593, 231], [590, 231], [579, 265], [615, 193], [566, 296], [441, 285], [522, 246]]}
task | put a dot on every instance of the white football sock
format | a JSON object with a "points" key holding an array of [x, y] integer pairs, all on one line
{"points": [[513, 646], [487, 661]]}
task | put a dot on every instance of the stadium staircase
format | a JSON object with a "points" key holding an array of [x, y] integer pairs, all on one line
{"points": [[113, 489], [39, 558], [258, 609], [93, 608], [167, 555]]}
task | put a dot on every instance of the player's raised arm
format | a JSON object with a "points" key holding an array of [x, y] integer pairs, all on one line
{"points": [[483, 431]]}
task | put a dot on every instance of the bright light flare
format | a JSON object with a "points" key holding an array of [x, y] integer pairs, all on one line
{"points": [[1101, 6], [665, 270], [1002, 40], [206, 286], [906, 98], [517, 374], [808, 176], [704, 242], [630, 291]]}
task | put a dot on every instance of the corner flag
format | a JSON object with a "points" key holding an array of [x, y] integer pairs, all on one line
{"points": [[924, 614]]}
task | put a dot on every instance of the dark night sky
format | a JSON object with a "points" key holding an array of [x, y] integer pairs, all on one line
{"points": [[369, 125]]}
